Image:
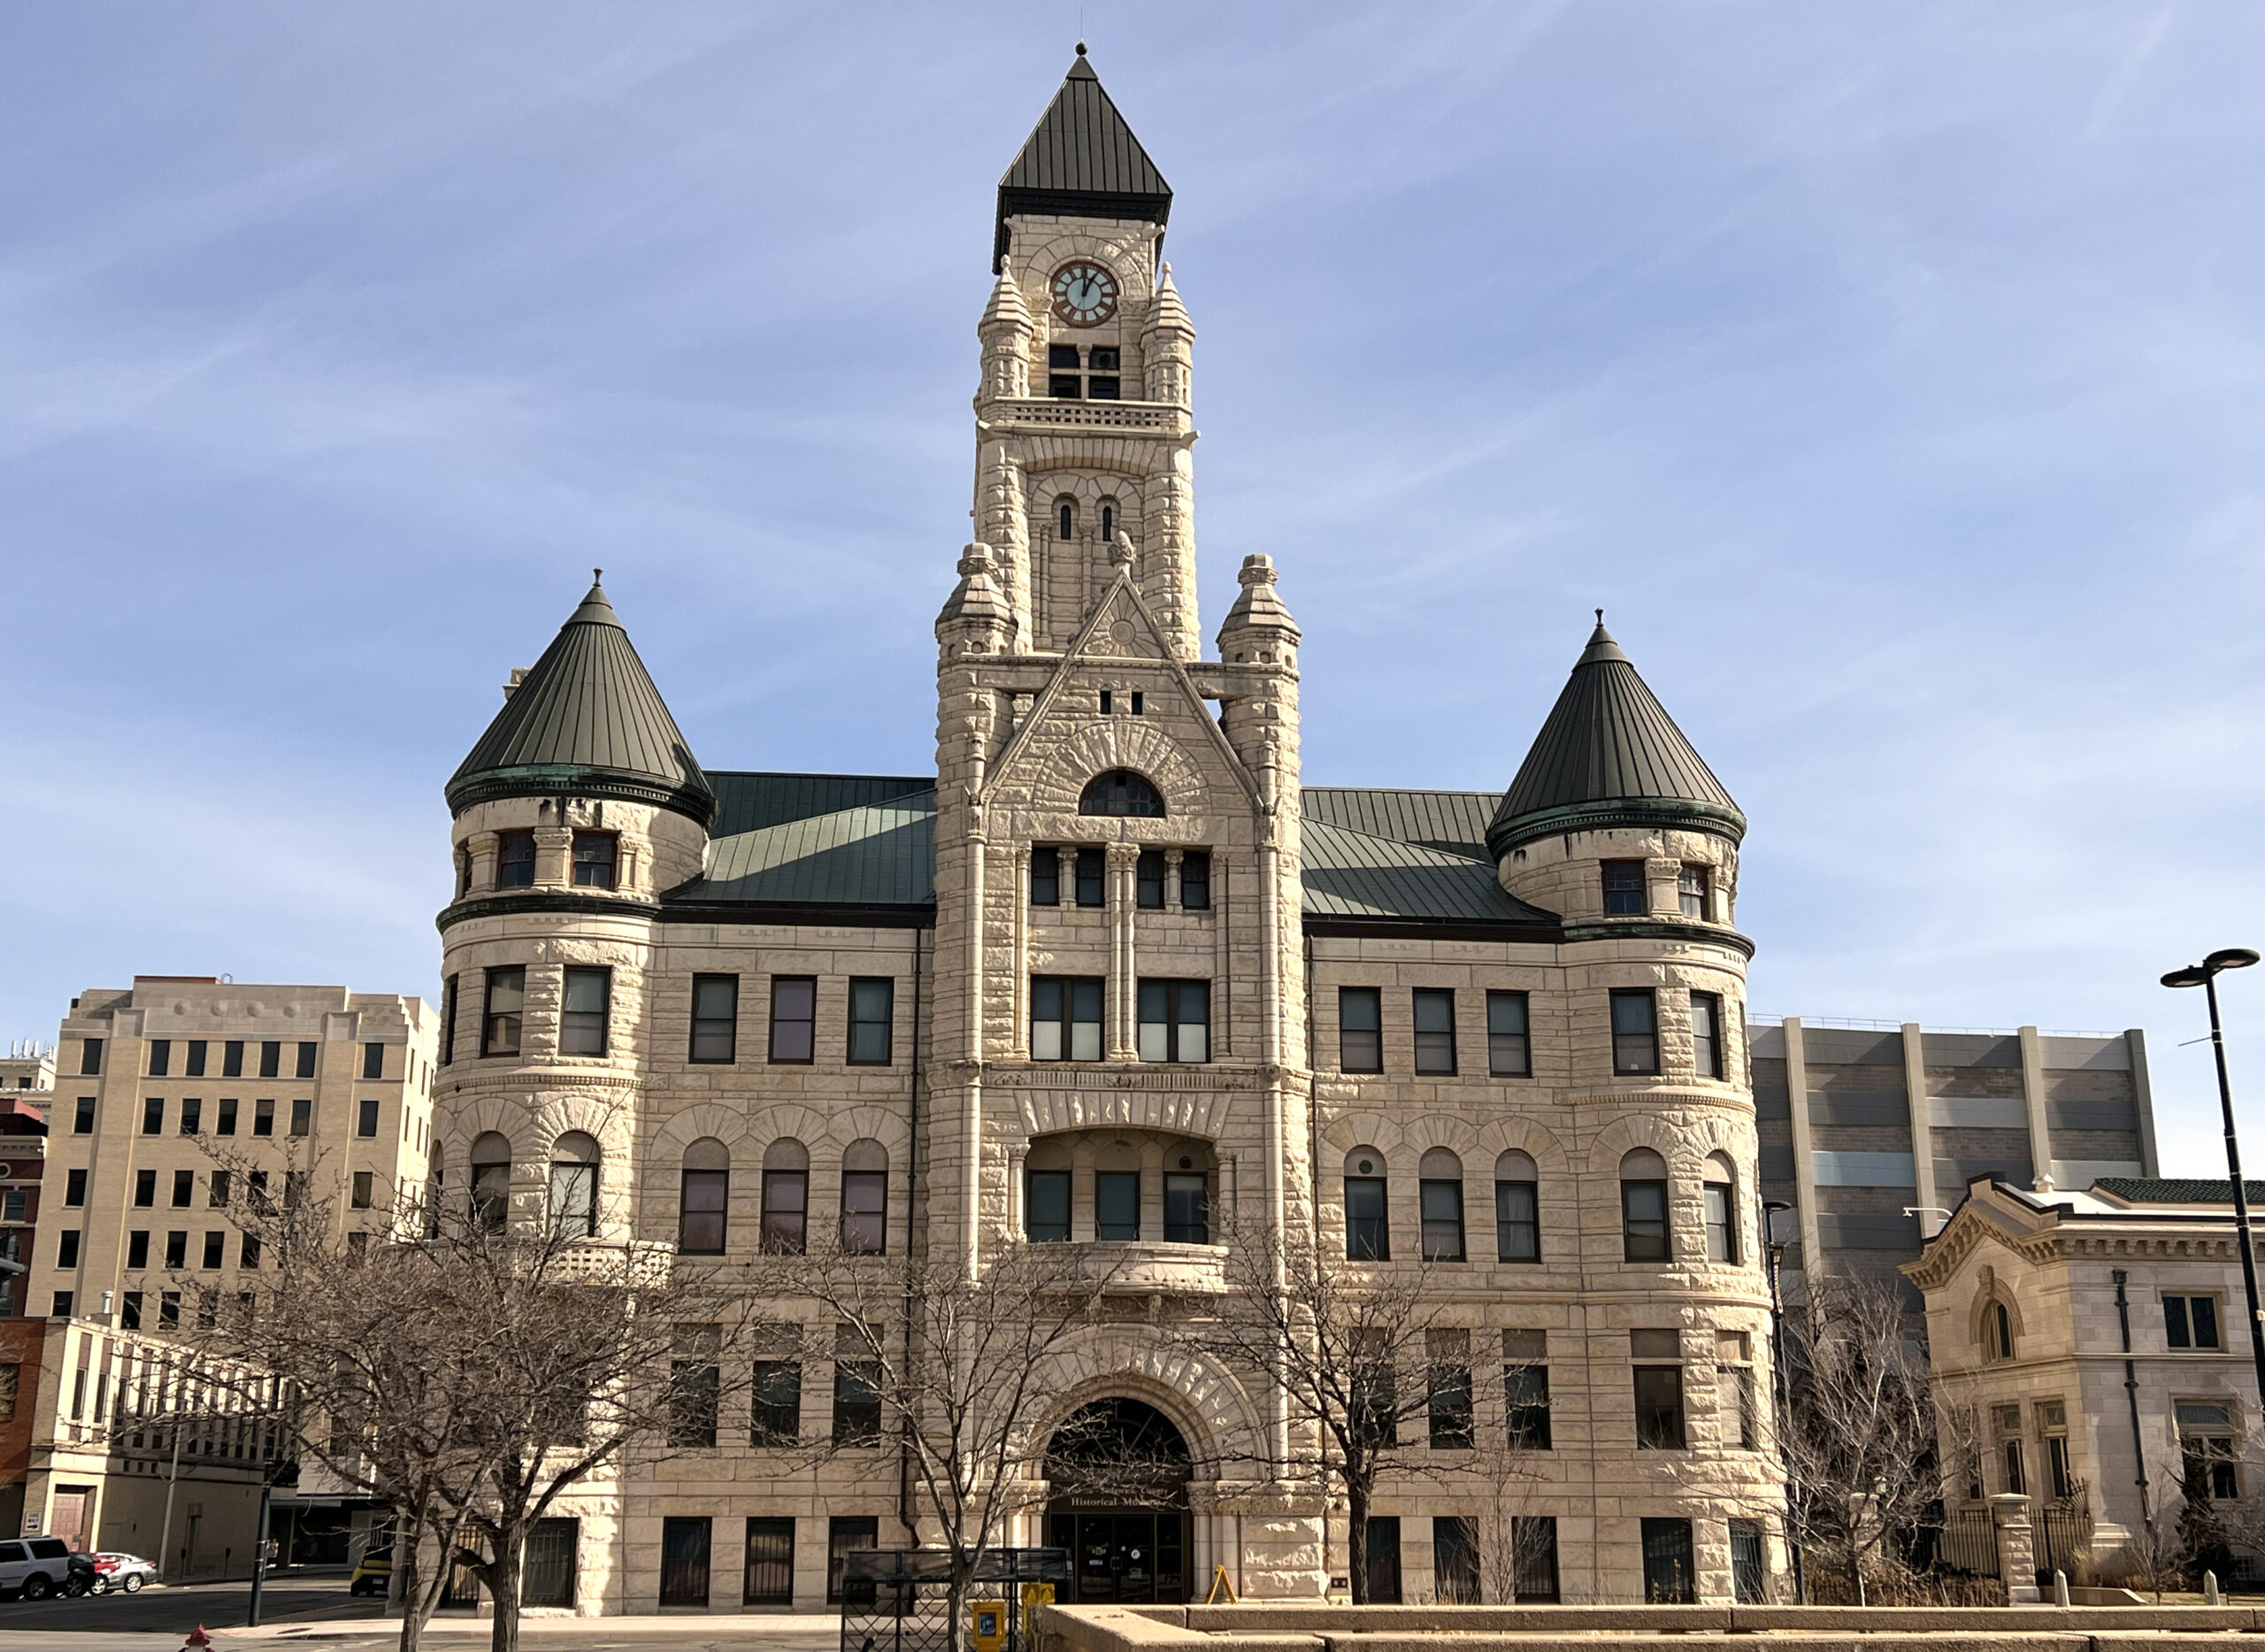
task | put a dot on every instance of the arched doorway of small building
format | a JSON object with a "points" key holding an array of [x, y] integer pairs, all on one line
{"points": [[1117, 1472]]}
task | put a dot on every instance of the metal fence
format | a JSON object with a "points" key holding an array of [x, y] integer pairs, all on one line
{"points": [[898, 1600], [1967, 1540]]}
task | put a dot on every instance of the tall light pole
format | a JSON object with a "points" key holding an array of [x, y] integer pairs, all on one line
{"points": [[2205, 975], [1774, 1247]]}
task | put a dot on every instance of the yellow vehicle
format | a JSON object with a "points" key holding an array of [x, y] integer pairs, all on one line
{"points": [[371, 1573]]}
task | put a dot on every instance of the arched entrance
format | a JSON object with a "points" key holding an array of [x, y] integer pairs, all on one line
{"points": [[1118, 1473]]}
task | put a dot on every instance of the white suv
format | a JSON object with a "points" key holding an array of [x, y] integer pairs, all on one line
{"points": [[36, 1567]]}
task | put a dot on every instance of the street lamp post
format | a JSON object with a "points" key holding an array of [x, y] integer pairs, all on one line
{"points": [[2205, 975], [1776, 1248]]}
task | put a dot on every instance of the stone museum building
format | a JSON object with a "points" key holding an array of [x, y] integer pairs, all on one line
{"points": [[1112, 976]]}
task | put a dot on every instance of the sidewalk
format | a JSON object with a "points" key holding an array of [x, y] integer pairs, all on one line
{"points": [[821, 1626]]}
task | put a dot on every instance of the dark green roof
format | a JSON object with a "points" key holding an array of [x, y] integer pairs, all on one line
{"points": [[1609, 755], [747, 801], [1082, 160], [875, 855], [1453, 823], [2179, 1190], [586, 719], [1350, 874]]}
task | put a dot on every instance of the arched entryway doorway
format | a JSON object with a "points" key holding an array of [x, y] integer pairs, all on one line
{"points": [[1117, 1472]]}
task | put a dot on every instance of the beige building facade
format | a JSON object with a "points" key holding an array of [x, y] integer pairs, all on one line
{"points": [[1115, 976]]}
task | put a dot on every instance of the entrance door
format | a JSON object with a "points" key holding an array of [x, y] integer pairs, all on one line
{"points": [[69, 1518], [1669, 1579], [683, 1562], [1128, 1556]]}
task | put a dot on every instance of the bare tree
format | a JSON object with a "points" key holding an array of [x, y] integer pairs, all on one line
{"points": [[1512, 1539], [958, 1371], [1373, 1379]]}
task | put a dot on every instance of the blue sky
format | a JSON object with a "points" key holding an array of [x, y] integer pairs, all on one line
{"points": [[1891, 374]]}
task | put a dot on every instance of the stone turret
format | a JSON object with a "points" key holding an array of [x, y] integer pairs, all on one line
{"points": [[977, 617], [1168, 346], [1006, 330]]}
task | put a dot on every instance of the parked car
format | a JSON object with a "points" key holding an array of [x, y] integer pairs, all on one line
{"points": [[128, 1572], [34, 1567], [371, 1573]]}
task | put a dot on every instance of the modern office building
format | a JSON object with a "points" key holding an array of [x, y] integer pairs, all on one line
{"points": [[1895, 1121]]}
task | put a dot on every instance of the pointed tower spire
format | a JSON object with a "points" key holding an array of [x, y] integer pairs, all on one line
{"points": [[587, 721], [1609, 756], [1081, 160]]}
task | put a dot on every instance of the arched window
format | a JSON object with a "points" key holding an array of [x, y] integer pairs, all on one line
{"points": [[705, 1199], [1368, 1234], [1998, 1332], [1720, 1191], [1065, 516], [1109, 521], [434, 1179], [864, 1198], [1120, 792], [574, 1186], [1517, 1207], [491, 1181], [1440, 1192], [786, 1196], [1643, 1206]]}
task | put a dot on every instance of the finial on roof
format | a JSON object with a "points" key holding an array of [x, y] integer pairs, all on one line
{"points": [[597, 576], [1121, 553], [1600, 616], [1081, 49]]}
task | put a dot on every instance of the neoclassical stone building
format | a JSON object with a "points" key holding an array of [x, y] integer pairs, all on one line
{"points": [[1113, 976]]}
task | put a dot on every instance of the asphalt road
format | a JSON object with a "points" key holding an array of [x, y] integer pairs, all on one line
{"points": [[157, 1612]]}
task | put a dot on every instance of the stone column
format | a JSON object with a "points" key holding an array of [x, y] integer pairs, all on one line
{"points": [[483, 846], [1123, 1040], [554, 857], [2017, 1548]]}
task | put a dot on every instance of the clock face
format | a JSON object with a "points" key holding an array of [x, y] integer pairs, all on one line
{"points": [[1085, 294]]}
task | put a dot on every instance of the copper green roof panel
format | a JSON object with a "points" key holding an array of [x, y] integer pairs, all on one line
{"points": [[1609, 756], [748, 800], [1354, 875], [1453, 823], [587, 721], [1082, 160], [2179, 1190], [878, 855]]}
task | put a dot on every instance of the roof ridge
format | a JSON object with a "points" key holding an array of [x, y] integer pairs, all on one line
{"points": [[1400, 842]]}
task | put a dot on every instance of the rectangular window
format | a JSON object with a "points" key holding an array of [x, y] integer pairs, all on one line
{"points": [[856, 1402], [1063, 387], [177, 1249], [1643, 1221], [845, 1533], [695, 1388], [864, 1213], [1735, 1415], [1102, 389], [232, 1059], [1659, 1391], [515, 860], [778, 1397], [499, 1018], [1533, 1545], [15, 1206], [1368, 1236], [1435, 1030], [248, 1253], [1045, 1206], [306, 1069], [373, 1060], [90, 1056], [1360, 1029], [1380, 1558], [1525, 1389], [215, 1190], [1510, 1052], [1187, 1208], [448, 1020], [1117, 1204], [1148, 880], [270, 1059], [192, 1115], [303, 1116], [1454, 1559], [715, 1018], [1749, 1563], [583, 1011], [215, 1241], [1635, 1030], [1045, 877], [1440, 1202], [66, 1248], [137, 1248], [1195, 881], [1175, 1020], [366, 1189], [82, 1117], [129, 1318], [1518, 1223], [366, 1118], [1092, 867], [2191, 1322], [153, 1114], [1670, 1577], [770, 1563], [683, 1560], [145, 1189], [793, 1019], [1065, 1018], [1625, 894], [1691, 891], [74, 1189], [872, 1021], [1448, 1389], [701, 1215], [195, 1068], [1707, 1034], [594, 853], [62, 1305], [2057, 1465], [161, 1056], [1721, 1222], [262, 1117], [184, 1188]]}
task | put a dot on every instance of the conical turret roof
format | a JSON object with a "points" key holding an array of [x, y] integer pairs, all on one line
{"points": [[1081, 160], [1609, 755], [586, 720]]}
